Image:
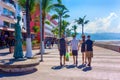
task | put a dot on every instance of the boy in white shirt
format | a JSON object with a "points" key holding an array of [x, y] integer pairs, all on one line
{"points": [[74, 48]]}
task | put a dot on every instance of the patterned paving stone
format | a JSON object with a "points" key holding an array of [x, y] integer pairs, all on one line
{"points": [[105, 66]]}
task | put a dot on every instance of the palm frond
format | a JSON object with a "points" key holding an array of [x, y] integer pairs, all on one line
{"points": [[59, 1], [55, 16], [84, 17], [86, 21], [60, 6], [32, 6], [22, 3], [79, 21], [64, 11], [46, 4], [66, 16], [47, 22]]}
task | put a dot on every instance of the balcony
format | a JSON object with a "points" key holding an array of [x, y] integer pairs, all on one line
{"points": [[7, 18], [49, 27], [7, 6]]}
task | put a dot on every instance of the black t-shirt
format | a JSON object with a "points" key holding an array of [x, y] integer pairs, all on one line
{"points": [[62, 44], [83, 47], [89, 44]]}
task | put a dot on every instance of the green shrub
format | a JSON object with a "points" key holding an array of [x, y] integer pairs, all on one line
{"points": [[24, 43], [34, 42]]}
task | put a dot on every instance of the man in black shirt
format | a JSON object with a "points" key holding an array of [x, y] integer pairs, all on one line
{"points": [[89, 49], [62, 49]]}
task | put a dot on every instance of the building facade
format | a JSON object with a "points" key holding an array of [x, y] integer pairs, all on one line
{"points": [[35, 22], [7, 14], [9, 9]]}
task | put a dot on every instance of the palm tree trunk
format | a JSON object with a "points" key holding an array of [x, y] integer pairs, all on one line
{"points": [[28, 41], [43, 25], [82, 29], [43, 32], [75, 33], [60, 26]]}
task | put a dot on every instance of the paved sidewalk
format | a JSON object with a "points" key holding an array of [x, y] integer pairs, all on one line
{"points": [[105, 66]]}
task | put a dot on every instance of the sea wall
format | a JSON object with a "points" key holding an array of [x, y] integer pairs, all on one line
{"points": [[108, 45]]}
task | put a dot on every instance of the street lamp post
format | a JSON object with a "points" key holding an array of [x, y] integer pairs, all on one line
{"points": [[41, 42]]}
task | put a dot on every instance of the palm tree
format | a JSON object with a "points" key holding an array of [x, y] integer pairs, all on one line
{"points": [[46, 7], [28, 5], [55, 31], [82, 21], [74, 28], [68, 32], [64, 26], [61, 13]]}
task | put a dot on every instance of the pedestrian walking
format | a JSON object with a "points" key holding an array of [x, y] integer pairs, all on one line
{"points": [[11, 43], [62, 49], [89, 49], [74, 48], [52, 42]]}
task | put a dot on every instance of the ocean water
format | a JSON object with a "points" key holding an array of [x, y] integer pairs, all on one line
{"points": [[102, 36]]}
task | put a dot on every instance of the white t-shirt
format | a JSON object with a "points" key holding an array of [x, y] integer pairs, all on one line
{"points": [[74, 44]]}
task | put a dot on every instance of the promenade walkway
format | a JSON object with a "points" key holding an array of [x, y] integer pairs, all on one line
{"points": [[105, 66]]}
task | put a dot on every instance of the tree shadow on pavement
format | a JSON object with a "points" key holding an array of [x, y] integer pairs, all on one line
{"points": [[57, 67], [10, 61], [4, 54], [87, 69], [70, 66], [10, 74]]}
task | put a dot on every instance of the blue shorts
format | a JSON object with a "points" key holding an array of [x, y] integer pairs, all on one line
{"points": [[74, 52], [62, 52]]}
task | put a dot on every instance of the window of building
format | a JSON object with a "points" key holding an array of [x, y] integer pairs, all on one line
{"points": [[8, 13], [5, 11], [12, 25], [6, 24]]}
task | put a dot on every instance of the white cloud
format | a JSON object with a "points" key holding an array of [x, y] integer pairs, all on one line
{"points": [[99, 25], [102, 24]]}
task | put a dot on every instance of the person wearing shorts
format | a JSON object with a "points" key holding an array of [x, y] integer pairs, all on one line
{"points": [[62, 49], [74, 47], [83, 50], [89, 49]]}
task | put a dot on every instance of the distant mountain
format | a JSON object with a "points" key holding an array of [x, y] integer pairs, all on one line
{"points": [[102, 36]]}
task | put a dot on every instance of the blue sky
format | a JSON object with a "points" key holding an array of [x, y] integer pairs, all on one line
{"points": [[104, 15]]}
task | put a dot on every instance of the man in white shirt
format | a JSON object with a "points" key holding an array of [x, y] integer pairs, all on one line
{"points": [[74, 48]]}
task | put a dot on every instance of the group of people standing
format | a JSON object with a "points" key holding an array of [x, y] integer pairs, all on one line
{"points": [[86, 46], [49, 43]]}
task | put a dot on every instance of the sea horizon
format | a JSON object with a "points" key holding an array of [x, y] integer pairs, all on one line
{"points": [[102, 36]]}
